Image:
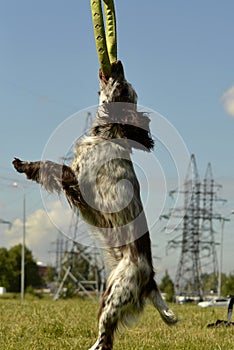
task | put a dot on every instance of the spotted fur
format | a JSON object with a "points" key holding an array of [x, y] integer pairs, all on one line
{"points": [[95, 183]]}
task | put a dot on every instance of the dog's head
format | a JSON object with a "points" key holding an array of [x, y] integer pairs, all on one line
{"points": [[117, 116], [116, 88]]}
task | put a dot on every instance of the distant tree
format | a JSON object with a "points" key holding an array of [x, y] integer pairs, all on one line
{"points": [[49, 274], [10, 269], [32, 276], [167, 286], [228, 284], [14, 262], [4, 268], [210, 282]]}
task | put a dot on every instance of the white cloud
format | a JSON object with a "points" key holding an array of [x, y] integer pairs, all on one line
{"points": [[228, 101], [40, 231], [43, 227]]}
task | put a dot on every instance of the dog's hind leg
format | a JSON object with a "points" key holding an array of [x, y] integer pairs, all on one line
{"points": [[165, 312], [120, 301]]}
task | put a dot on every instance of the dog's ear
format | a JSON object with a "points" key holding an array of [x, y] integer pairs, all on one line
{"points": [[139, 138], [139, 132]]}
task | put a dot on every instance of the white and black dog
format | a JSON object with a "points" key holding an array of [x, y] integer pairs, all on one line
{"points": [[101, 183]]}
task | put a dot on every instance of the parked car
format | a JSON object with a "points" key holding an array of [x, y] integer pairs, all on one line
{"points": [[214, 302]]}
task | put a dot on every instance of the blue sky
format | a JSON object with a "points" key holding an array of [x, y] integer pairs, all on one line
{"points": [[178, 55]]}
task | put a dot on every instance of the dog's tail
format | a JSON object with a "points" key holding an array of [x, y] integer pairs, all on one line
{"points": [[165, 312]]}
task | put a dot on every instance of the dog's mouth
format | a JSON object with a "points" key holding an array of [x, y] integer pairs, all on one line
{"points": [[117, 73]]}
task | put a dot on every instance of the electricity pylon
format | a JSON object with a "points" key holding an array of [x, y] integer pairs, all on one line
{"points": [[197, 237]]}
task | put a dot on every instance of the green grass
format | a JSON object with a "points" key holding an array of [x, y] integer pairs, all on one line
{"points": [[72, 324]]}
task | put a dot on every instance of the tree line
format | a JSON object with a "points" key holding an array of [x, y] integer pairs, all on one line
{"points": [[208, 282], [10, 274], [10, 269]]}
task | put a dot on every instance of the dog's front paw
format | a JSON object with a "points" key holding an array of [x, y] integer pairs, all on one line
{"points": [[19, 165]]}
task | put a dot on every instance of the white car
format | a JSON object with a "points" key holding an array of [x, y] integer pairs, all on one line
{"points": [[214, 302]]}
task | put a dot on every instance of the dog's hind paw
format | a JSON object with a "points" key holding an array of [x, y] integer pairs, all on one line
{"points": [[169, 317]]}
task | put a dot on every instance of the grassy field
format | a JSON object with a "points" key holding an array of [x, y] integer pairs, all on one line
{"points": [[72, 324]]}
